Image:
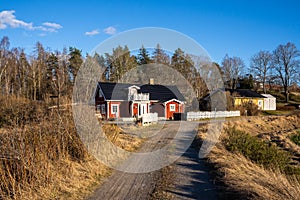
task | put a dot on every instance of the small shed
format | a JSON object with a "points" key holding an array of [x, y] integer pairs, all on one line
{"points": [[269, 102]]}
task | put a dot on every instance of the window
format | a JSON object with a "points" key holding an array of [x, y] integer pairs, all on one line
{"points": [[114, 108], [100, 94], [103, 109], [98, 107], [172, 107]]}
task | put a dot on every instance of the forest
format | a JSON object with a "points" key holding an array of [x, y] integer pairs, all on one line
{"points": [[44, 73]]}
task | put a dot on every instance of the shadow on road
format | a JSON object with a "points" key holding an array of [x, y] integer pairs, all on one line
{"points": [[192, 178]]}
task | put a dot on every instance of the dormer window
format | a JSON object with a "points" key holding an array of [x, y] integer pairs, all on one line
{"points": [[132, 91]]}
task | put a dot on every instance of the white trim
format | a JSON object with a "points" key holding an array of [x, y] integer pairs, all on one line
{"points": [[107, 108], [100, 90], [174, 100], [116, 100], [134, 87], [136, 101], [174, 107], [118, 109]]}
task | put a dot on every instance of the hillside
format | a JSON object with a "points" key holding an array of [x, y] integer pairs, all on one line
{"points": [[41, 155], [257, 158]]}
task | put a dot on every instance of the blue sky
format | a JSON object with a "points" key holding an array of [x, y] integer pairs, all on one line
{"points": [[236, 27]]}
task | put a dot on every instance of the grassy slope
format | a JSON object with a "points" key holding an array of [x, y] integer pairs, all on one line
{"points": [[42, 157], [242, 177]]}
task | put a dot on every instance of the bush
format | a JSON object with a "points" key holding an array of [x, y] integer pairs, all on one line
{"points": [[260, 152], [296, 138], [294, 97], [250, 108]]}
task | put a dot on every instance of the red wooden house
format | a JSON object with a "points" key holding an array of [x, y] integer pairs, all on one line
{"points": [[122, 100]]}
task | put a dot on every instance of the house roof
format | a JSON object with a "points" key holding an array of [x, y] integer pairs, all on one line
{"points": [[245, 93], [268, 96], [119, 91]]}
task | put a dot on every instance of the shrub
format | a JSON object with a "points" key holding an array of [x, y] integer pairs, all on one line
{"points": [[296, 138], [252, 109], [294, 97], [265, 154]]}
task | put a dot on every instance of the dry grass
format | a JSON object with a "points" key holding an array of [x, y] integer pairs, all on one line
{"points": [[264, 124], [121, 139], [242, 178], [251, 180], [41, 156]]}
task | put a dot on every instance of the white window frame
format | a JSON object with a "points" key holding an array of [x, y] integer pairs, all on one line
{"points": [[112, 109], [103, 109], [172, 107]]}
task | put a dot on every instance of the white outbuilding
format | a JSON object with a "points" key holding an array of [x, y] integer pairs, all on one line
{"points": [[269, 102]]}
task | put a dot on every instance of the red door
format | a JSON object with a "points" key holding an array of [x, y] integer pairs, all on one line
{"points": [[172, 107], [135, 109]]}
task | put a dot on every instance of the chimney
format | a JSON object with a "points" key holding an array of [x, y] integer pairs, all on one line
{"points": [[151, 81]]}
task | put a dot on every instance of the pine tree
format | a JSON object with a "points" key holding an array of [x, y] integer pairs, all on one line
{"points": [[118, 63], [143, 56], [75, 61]]}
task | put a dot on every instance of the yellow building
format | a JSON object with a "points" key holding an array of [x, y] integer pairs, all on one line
{"points": [[241, 96]]}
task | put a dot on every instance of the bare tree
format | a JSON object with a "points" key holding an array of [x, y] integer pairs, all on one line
{"points": [[4, 54], [286, 65], [160, 56], [232, 67], [260, 65]]}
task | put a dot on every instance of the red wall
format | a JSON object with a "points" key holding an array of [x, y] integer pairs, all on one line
{"points": [[178, 109], [112, 115]]}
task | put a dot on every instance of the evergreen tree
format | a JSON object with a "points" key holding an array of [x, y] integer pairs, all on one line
{"points": [[75, 61], [52, 68], [182, 63], [118, 63], [143, 56]]}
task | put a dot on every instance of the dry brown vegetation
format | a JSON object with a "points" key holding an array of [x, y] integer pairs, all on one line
{"points": [[41, 155], [118, 137], [244, 179], [242, 174]]}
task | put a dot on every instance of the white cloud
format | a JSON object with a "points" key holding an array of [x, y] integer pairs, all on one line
{"points": [[110, 30], [8, 19], [52, 25], [43, 34], [91, 33]]}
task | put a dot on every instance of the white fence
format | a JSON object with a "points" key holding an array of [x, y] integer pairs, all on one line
{"points": [[149, 118], [212, 114]]}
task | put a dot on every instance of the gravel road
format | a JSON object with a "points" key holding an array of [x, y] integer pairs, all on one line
{"points": [[191, 180]]}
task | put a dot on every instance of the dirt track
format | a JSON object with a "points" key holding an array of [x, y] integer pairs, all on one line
{"points": [[191, 180]]}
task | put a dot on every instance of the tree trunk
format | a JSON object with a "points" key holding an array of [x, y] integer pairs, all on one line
{"points": [[287, 96], [286, 93]]}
